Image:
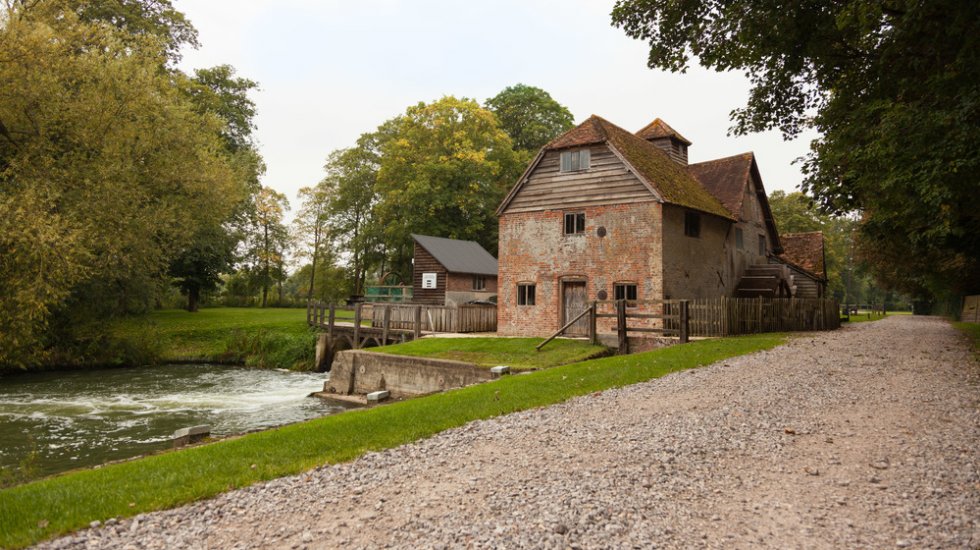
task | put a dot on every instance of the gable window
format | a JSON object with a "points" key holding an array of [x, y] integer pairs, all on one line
{"points": [[739, 239], [574, 223], [692, 224], [479, 282], [625, 291], [762, 245], [525, 294], [573, 161]]}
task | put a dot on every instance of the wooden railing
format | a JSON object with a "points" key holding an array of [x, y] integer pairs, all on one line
{"points": [[414, 317], [733, 316]]}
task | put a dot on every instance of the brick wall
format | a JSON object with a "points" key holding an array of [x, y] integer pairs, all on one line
{"points": [[534, 250]]}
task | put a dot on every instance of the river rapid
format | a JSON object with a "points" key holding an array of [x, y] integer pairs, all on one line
{"points": [[74, 419]]}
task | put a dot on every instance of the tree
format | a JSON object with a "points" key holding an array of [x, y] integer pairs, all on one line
{"points": [[892, 87], [106, 172], [530, 116], [267, 240], [142, 18], [443, 169], [310, 227], [351, 184], [218, 93]]}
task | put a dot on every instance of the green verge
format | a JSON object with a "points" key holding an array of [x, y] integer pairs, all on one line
{"points": [[57, 505], [517, 353], [270, 337], [972, 331]]}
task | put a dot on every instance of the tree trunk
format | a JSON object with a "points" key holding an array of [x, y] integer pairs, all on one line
{"points": [[193, 299], [265, 274], [316, 250]]}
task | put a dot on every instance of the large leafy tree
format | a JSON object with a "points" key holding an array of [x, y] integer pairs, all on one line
{"points": [[267, 241], [198, 267], [444, 167], [106, 171], [530, 116], [892, 87]]}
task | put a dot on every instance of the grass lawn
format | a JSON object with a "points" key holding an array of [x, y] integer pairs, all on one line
{"points": [[972, 331], [270, 337], [864, 316], [517, 353], [42, 509]]}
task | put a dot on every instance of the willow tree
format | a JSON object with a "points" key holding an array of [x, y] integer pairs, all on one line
{"points": [[106, 170]]}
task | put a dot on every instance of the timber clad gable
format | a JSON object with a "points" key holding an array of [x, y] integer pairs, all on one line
{"points": [[606, 181]]}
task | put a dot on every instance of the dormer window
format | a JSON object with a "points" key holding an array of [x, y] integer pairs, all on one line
{"points": [[574, 161]]}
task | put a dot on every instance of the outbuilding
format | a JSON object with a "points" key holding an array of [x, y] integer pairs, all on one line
{"points": [[452, 272]]}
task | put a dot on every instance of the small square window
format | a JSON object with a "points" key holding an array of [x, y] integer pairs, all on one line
{"points": [[525, 295], [762, 245], [625, 291], [574, 161], [479, 283], [692, 224], [574, 223], [739, 239]]}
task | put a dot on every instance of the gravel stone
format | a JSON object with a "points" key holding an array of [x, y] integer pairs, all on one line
{"points": [[865, 437]]}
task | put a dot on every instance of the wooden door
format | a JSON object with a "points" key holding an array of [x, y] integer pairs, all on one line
{"points": [[575, 302]]}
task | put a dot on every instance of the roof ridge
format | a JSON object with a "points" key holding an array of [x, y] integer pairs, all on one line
{"points": [[659, 129], [750, 154]]}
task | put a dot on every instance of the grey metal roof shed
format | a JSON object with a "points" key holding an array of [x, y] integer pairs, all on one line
{"points": [[459, 256]]}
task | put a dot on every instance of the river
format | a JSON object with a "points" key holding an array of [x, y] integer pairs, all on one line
{"points": [[83, 418]]}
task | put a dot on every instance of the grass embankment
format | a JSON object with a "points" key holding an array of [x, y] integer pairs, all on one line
{"points": [[272, 337], [517, 353], [865, 316], [30, 513], [972, 331]]}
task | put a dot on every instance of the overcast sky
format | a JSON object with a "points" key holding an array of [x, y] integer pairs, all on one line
{"points": [[332, 70]]}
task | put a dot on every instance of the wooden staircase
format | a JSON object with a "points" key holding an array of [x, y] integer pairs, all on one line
{"points": [[766, 281]]}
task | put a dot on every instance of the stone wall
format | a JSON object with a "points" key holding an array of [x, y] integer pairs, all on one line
{"points": [[362, 372], [533, 249]]}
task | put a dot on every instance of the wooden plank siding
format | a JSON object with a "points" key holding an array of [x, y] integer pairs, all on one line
{"points": [[426, 263], [607, 181]]}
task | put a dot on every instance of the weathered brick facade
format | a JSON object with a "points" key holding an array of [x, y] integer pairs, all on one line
{"points": [[533, 249]]}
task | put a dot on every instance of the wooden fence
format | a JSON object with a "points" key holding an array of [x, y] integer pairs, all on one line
{"points": [[462, 318], [732, 316]]}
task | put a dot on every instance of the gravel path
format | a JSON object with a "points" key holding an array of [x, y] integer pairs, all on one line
{"points": [[865, 437]]}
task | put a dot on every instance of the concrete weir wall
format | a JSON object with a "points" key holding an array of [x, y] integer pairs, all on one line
{"points": [[362, 372]]}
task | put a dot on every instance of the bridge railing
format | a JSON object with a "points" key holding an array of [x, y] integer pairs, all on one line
{"points": [[417, 318]]}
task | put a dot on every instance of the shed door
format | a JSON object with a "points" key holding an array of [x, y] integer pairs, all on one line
{"points": [[575, 302]]}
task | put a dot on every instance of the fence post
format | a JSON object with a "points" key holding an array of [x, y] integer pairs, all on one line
{"points": [[684, 329], [309, 312], [385, 324], [593, 335], [418, 322], [330, 319], [357, 325], [624, 343]]}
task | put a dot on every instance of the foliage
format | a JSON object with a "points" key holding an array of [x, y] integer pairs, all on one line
{"points": [[530, 116], [106, 172], [310, 228], [351, 185], [517, 353], [62, 503], [140, 18], [894, 90], [266, 241], [443, 170]]}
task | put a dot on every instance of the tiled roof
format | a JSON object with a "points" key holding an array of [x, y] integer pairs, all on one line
{"points": [[459, 256], [670, 179], [725, 179], [805, 250], [660, 129]]}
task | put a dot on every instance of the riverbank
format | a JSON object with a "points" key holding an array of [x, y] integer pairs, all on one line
{"points": [[61, 504], [863, 437]]}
